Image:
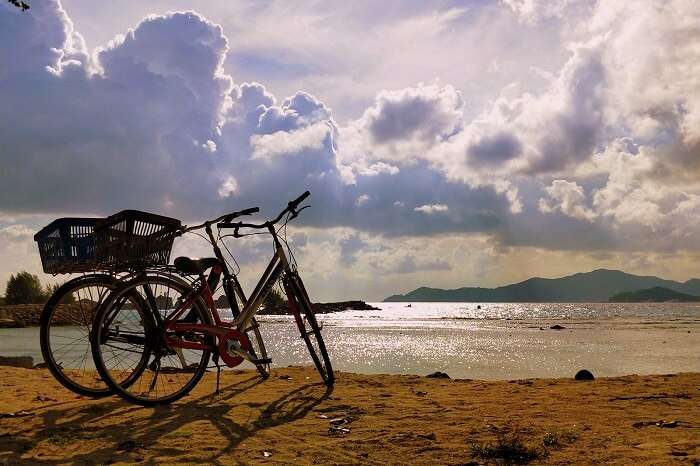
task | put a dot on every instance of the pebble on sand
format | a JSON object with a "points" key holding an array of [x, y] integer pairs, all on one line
{"points": [[584, 374], [438, 375]]}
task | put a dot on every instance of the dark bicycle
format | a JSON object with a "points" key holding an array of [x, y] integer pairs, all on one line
{"points": [[86, 246], [153, 337]]}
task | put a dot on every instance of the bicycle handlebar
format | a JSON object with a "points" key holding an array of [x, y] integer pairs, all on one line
{"points": [[291, 208], [226, 218]]}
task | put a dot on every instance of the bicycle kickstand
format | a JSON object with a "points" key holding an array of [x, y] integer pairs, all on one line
{"points": [[218, 373]]}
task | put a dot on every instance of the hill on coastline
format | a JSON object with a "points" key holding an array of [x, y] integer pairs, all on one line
{"points": [[653, 295], [596, 286]]}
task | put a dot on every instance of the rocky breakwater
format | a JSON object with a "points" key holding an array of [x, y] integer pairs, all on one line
{"points": [[28, 315], [322, 308]]}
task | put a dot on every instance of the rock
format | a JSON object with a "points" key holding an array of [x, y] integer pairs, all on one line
{"points": [[41, 365], [26, 362], [438, 375], [668, 425], [584, 374], [557, 327], [333, 429]]}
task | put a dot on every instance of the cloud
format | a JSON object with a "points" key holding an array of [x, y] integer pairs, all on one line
{"points": [[229, 187], [425, 113], [361, 200], [267, 146], [409, 265], [567, 197], [349, 247], [431, 208], [597, 151]]}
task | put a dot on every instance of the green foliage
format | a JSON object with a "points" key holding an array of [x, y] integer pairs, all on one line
{"points": [[657, 294], [24, 288], [51, 289], [273, 299], [19, 4], [512, 448], [509, 449]]}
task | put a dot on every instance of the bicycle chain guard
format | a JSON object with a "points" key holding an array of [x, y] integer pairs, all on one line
{"points": [[233, 339]]}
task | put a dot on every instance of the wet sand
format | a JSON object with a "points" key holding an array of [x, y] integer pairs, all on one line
{"points": [[390, 419]]}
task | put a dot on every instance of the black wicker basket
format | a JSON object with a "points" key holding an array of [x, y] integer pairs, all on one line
{"points": [[132, 239], [67, 245]]}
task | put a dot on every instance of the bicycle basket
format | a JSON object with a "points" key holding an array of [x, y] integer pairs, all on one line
{"points": [[67, 245], [132, 239]]}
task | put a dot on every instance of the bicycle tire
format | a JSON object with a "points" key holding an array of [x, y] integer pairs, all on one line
{"points": [[46, 331], [304, 311], [128, 291]]}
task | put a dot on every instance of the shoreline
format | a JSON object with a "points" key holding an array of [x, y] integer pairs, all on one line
{"points": [[364, 419], [29, 315]]}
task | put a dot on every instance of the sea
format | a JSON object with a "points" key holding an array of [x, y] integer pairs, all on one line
{"points": [[480, 340]]}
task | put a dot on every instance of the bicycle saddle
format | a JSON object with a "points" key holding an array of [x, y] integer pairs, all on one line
{"points": [[190, 266]]}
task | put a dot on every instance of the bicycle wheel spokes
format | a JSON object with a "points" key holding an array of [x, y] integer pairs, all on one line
{"points": [[132, 350], [66, 322]]}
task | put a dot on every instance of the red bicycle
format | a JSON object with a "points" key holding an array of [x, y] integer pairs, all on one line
{"points": [[152, 338]]}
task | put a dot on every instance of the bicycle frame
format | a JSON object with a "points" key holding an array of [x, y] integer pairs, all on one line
{"points": [[243, 319]]}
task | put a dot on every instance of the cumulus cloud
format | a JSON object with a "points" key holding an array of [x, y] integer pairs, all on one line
{"points": [[603, 151], [567, 197]]}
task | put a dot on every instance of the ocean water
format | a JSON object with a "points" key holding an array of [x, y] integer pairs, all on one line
{"points": [[496, 341]]}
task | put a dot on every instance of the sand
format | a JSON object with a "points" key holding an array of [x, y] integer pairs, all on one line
{"points": [[390, 419]]}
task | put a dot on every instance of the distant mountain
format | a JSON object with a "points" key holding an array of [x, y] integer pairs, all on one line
{"points": [[596, 286], [654, 295]]}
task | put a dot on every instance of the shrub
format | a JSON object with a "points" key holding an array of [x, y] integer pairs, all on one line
{"points": [[273, 299], [24, 288]]}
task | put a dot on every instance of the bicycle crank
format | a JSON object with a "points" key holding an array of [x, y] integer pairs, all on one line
{"points": [[233, 347]]}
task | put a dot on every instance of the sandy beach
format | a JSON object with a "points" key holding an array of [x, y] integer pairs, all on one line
{"points": [[365, 419]]}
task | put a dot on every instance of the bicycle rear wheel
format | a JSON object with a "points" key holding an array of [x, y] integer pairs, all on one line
{"points": [[64, 333], [130, 343], [308, 326]]}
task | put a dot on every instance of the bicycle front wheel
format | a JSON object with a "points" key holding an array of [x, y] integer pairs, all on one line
{"points": [[308, 326], [130, 346], [64, 333]]}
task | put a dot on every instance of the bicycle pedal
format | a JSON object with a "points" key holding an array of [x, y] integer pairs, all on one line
{"points": [[259, 362]]}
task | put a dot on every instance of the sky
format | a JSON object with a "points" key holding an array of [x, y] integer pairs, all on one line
{"points": [[445, 144]]}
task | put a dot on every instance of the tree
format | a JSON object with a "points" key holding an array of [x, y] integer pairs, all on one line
{"points": [[51, 289], [273, 299], [19, 4], [24, 288]]}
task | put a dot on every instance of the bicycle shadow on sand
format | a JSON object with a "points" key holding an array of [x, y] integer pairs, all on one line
{"points": [[111, 430]]}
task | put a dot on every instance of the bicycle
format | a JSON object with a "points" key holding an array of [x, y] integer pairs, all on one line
{"points": [[165, 349], [66, 245]]}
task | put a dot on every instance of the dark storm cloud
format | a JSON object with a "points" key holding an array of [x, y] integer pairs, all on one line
{"points": [[413, 114], [494, 150]]}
